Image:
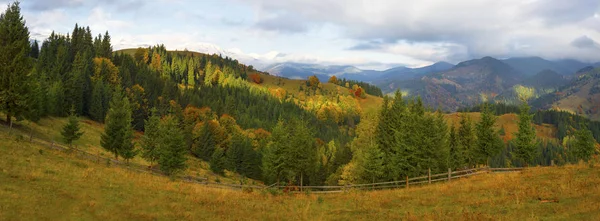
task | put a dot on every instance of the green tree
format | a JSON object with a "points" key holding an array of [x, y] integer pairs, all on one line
{"points": [[15, 63], [172, 146], [151, 138], [118, 134], [71, 131], [273, 162], [584, 144], [525, 140], [489, 142], [205, 142], [35, 49], [467, 141], [456, 159], [372, 163], [217, 161]]}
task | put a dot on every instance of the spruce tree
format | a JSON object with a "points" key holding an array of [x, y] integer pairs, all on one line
{"points": [[71, 131], [205, 143], [97, 108], [489, 143], [217, 161], [584, 144], [15, 63], [172, 146], [118, 134], [273, 161], [456, 159], [151, 138], [466, 141], [525, 138], [35, 49], [371, 163]]}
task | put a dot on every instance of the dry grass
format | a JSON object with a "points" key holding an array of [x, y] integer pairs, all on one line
{"points": [[49, 129], [37, 183]]}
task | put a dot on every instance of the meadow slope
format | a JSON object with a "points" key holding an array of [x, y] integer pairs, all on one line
{"points": [[38, 183]]}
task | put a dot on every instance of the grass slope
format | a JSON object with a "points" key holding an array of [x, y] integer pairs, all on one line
{"points": [[49, 129], [37, 183]]}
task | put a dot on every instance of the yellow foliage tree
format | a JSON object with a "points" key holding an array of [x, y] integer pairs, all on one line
{"points": [[104, 69]]}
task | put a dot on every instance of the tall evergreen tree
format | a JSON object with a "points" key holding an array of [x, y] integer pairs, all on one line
{"points": [[151, 138], [456, 159], [273, 161], [35, 49], [371, 163], [584, 145], [172, 146], [489, 142], [118, 134], [205, 144], [71, 131], [218, 161], [98, 97], [525, 138], [466, 141], [15, 63]]}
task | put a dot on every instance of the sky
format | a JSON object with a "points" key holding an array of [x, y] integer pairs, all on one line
{"points": [[369, 34]]}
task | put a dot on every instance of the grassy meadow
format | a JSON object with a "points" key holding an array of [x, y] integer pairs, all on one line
{"points": [[38, 183]]}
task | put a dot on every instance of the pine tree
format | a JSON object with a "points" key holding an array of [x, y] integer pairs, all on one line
{"points": [[118, 134], [217, 161], [372, 163], [35, 49], [456, 159], [106, 47], [15, 63], [151, 138], [97, 108], [172, 146], [71, 131], [466, 141], [489, 143], [205, 142], [273, 161], [584, 145], [525, 141]]}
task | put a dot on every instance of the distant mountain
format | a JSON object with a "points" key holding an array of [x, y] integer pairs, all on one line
{"points": [[467, 83], [544, 82], [580, 96], [323, 72], [303, 71]]}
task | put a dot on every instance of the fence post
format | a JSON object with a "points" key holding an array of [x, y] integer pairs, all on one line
{"points": [[429, 175], [551, 162], [406, 182], [449, 174]]}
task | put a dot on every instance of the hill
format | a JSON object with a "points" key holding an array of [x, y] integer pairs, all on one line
{"points": [[37, 182], [467, 83], [544, 82], [533, 65], [580, 96]]}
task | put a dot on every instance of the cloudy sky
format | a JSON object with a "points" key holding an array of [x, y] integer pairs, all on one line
{"points": [[373, 34]]}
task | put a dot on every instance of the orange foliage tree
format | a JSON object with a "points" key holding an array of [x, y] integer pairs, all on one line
{"points": [[313, 81], [333, 79], [256, 78]]}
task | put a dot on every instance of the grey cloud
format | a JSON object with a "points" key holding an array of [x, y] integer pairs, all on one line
{"points": [[564, 11], [585, 42], [44, 5], [480, 27], [283, 23]]}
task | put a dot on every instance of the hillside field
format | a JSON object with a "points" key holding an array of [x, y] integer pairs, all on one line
{"points": [[36, 182]]}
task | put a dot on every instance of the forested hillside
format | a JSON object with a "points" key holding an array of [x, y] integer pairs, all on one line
{"points": [[263, 127]]}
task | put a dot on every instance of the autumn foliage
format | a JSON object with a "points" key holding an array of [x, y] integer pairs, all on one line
{"points": [[313, 81], [333, 79], [256, 78]]}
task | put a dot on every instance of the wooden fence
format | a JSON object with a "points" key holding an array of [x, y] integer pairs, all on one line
{"points": [[428, 179]]}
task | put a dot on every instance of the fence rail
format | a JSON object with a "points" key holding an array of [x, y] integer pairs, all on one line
{"points": [[294, 189]]}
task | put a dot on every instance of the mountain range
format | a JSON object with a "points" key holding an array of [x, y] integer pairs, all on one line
{"points": [[452, 86]]}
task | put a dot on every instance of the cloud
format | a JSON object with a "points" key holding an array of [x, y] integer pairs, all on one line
{"points": [[469, 29], [585, 42], [44, 5], [283, 23]]}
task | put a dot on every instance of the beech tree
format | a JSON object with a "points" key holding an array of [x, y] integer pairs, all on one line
{"points": [[584, 145]]}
